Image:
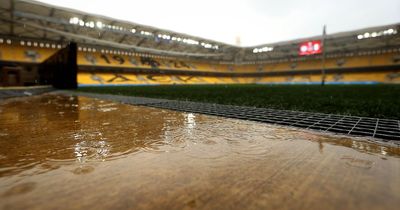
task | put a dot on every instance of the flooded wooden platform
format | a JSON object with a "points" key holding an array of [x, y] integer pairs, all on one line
{"points": [[82, 153]]}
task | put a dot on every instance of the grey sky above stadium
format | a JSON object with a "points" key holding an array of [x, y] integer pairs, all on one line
{"points": [[254, 21]]}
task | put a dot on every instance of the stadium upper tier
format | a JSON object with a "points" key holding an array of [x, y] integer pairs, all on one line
{"points": [[36, 21], [114, 52]]}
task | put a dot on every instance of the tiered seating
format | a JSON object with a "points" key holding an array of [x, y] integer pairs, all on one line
{"points": [[17, 53], [24, 54], [330, 63], [113, 60], [362, 77], [133, 79], [37, 54]]}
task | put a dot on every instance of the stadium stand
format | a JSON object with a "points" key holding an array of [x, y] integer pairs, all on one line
{"points": [[352, 69], [351, 57]]}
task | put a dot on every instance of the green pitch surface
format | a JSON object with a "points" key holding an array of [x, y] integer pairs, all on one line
{"points": [[381, 101]]}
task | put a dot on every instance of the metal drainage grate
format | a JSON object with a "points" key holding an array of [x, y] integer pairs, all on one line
{"points": [[361, 126], [384, 129]]}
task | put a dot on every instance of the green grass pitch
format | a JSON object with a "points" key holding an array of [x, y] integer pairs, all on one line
{"points": [[381, 101]]}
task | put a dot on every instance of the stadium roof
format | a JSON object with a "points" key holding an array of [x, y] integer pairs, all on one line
{"points": [[35, 20]]}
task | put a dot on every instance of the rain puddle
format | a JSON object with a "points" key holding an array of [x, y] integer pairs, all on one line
{"points": [[85, 153]]}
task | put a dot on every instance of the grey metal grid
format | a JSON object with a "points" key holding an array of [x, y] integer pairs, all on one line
{"points": [[384, 129]]}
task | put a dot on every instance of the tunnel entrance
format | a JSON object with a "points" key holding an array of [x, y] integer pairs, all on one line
{"points": [[59, 71]]}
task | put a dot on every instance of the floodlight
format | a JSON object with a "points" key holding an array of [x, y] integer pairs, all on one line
{"points": [[99, 24], [74, 20]]}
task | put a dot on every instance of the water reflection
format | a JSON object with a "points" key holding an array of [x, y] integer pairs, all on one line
{"points": [[357, 143], [51, 138], [190, 121], [92, 149], [60, 128]]}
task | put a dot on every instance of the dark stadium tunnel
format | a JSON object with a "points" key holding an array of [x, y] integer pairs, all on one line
{"points": [[60, 69]]}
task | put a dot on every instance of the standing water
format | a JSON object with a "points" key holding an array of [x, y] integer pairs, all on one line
{"points": [[81, 153]]}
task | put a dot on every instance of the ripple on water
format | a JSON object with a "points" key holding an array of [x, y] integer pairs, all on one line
{"points": [[20, 189], [93, 150], [95, 131], [357, 162], [207, 148], [82, 170], [252, 147]]}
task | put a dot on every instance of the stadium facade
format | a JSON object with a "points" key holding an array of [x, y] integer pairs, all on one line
{"points": [[117, 52]]}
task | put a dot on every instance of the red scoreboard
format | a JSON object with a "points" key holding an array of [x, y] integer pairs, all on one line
{"points": [[310, 48]]}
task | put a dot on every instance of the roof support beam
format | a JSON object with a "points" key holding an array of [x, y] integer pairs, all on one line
{"points": [[140, 42], [94, 41], [51, 14], [122, 38], [101, 35], [12, 8]]}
